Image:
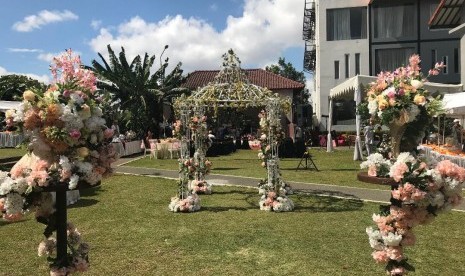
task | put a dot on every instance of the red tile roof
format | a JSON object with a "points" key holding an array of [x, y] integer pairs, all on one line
{"points": [[258, 77]]}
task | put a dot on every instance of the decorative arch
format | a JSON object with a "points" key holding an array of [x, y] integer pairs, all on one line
{"points": [[230, 88]]}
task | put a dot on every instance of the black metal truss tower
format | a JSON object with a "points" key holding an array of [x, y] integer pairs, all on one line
{"points": [[309, 37]]}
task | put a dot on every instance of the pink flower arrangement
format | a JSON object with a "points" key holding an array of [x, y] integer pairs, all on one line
{"points": [[200, 187], [190, 203], [422, 193], [69, 145], [398, 95]]}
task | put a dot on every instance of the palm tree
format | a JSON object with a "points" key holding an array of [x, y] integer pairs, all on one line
{"points": [[139, 94]]}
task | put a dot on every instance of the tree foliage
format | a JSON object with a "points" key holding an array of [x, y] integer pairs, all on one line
{"points": [[287, 70], [137, 96], [13, 86]]}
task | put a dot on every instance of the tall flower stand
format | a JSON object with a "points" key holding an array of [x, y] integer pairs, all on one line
{"points": [[59, 222], [61, 227]]}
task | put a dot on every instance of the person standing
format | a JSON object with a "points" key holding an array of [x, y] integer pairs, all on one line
{"points": [[369, 137], [298, 133], [115, 128], [457, 132]]}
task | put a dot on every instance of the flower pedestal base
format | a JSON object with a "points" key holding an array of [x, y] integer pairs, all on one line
{"points": [[200, 187], [64, 261], [364, 177], [271, 201], [186, 205], [61, 224]]}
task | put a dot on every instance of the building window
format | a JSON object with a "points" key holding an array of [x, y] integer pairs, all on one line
{"points": [[390, 59], [445, 69], [456, 60], [434, 58], [346, 65], [336, 69], [394, 21], [357, 64], [347, 23]]}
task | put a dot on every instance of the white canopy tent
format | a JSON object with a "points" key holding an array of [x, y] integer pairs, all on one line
{"points": [[5, 105], [354, 88], [454, 104]]}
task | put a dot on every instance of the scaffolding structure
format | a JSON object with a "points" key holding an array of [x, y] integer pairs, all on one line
{"points": [[308, 36]]}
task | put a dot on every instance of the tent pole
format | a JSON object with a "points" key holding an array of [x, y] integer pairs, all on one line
{"points": [[358, 146], [329, 141]]}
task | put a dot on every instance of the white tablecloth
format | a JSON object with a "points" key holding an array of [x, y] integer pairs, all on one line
{"points": [[439, 156], [10, 140], [129, 148]]}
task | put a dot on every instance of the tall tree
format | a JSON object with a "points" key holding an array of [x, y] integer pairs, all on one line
{"points": [[287, 70], [13, 86], [138, 94]]}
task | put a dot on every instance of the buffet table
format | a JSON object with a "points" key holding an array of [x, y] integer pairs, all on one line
{"points": [[10, 139], [129, 148], [430, 153]]}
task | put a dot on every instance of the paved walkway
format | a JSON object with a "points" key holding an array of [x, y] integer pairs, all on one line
{"points": [[371, 195]]}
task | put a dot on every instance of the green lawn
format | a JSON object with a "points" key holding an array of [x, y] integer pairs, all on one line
{"points": [[336, 168], [131, 232], [11, 152]]}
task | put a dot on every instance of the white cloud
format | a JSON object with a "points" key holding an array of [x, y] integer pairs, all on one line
{"points": [[44, 17], [259, 36], [3, 71], [213, 7], [95, 24], [48, 57], [42, 78], [24, 50]]}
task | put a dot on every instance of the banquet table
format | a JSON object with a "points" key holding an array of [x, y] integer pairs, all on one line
{"points": [[430, 153], [129, 148], [10, 139]]}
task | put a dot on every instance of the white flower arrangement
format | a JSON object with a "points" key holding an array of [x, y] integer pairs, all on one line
{"points": [[189, 204]]}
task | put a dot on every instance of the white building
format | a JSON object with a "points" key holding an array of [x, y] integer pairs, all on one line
{"points": [[366, 37]]}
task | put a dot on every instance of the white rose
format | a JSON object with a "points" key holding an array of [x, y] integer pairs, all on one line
{"points": [[416, 84]]}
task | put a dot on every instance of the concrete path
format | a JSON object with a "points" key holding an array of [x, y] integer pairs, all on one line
{"points": [[371, 195]]}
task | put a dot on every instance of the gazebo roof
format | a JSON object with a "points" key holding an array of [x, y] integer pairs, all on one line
{"points": [[231, 87]]}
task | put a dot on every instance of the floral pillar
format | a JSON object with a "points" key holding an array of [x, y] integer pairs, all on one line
{"points": [[274, 190], [184, 201], [201, 163]]}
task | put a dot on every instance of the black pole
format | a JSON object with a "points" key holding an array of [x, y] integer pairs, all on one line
{"points": [[61, 223]]}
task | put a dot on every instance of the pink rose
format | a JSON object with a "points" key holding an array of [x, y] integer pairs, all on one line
{"points": [[108, 133], [75, 134], [380, 257]]}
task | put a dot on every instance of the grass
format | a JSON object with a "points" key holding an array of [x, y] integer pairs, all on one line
{"points": [[336, 168], [131, 232], [11, 152]]}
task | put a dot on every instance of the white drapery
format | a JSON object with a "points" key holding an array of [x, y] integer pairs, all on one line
{"points": [[394, 21]]}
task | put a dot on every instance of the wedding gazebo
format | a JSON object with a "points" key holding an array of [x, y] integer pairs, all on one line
{"points": [[232, 89]]}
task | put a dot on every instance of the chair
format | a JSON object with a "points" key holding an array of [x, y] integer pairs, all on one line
{"points": [[176, 148], [152, 150]]}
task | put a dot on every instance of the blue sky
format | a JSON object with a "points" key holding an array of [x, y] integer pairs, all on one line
{"points": [[198, 32]]}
